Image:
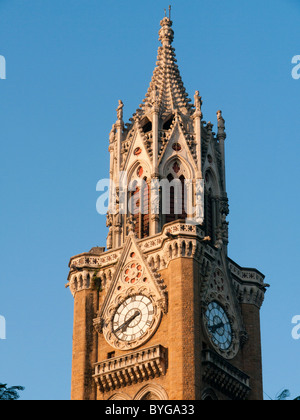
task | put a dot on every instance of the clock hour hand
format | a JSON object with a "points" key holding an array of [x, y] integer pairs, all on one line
{"points": [[214, 328], [126, 324]]}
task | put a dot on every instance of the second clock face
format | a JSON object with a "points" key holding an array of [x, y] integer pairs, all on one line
{"points": [[133, 318], [218, 326]]}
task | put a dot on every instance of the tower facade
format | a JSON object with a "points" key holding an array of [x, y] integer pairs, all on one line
{"points": [[162, 313]]}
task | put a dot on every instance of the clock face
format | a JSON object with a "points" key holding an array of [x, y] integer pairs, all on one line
{"points": [[218, 326], [133, 318]]}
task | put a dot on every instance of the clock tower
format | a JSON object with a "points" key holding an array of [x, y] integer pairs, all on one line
{"points": [[162, 312]]}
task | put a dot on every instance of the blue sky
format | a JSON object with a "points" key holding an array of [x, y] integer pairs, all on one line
{"points": [[68, 64]]}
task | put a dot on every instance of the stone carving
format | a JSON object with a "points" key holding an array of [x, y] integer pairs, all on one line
{"points": [[109, 241], [112, 134], [155, 96], [198, 101], [166, 33], [131, 224], [120, 111], [221, 125]]}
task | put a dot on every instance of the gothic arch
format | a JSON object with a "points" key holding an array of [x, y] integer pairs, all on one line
{"points": [[152, 392], [139, 205], [132, 171], [211, 182], [211, 196], [185, 168], [209, 395], [119, 397]]}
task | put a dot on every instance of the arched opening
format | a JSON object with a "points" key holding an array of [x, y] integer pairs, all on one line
{"points": [[152, 393], [150, 396], [209, 395], [177, 201], [208, 398], [119, 397], [171, 216], [211, 216], [145, 216], [208, 202], [140, 208]]}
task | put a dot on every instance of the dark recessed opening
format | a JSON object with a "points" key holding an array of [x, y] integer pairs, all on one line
{"points": [[111, 355], [167, 125], [147, 127]]}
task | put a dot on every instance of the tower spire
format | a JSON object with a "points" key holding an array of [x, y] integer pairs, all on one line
{"points": [[166, 84]]}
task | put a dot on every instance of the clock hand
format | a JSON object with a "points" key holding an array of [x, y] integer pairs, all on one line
{"points": [[214, 328], [126, 324]]}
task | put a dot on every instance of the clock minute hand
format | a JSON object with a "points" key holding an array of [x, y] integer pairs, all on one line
{"points": [[126, 324]]}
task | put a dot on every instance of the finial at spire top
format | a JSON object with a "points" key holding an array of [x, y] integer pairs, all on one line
{"points": [[170, 8], [166, 34]]}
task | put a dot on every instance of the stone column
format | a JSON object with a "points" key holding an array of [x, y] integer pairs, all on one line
{"points": [[155, 140], [198, 132], [119, 128], [221, 137]]}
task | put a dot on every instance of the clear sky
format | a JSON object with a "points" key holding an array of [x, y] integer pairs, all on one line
{"points": [[68, 64]]}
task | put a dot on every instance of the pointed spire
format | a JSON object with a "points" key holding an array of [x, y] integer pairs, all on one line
{"points": [[166, 85]]}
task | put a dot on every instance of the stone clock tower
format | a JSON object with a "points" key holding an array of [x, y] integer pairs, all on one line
{"points": [[162, 313]]}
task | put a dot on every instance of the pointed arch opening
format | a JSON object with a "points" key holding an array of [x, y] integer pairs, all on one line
{"points": [[210, 205], [119, 396], [177, 199], [152, 393], [139, 207]]}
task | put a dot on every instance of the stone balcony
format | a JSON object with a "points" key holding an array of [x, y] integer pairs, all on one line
{"points": [[225, 377], [132, 368]]}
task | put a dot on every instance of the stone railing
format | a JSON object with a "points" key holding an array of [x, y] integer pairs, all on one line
{"points": [[131, 368], [222, 375]]}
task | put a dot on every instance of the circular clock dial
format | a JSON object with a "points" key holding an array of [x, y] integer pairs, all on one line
{"points": [[218, 326], [133, 318]]}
